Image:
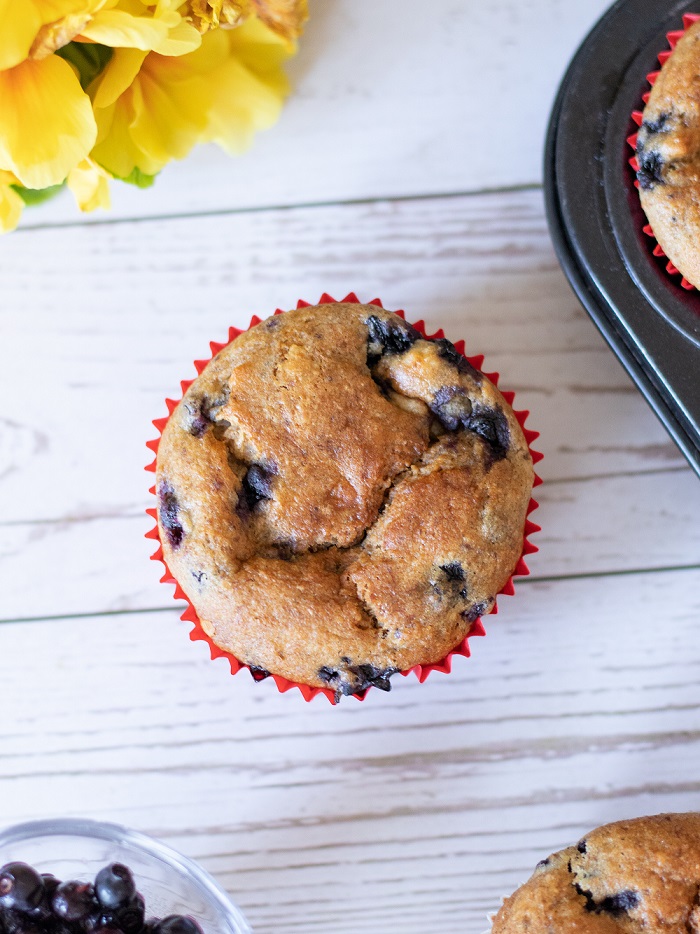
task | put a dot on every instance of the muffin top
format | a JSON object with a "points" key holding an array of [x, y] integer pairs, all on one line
{"points": [[341, 498], [668, 151], [639, 875]]}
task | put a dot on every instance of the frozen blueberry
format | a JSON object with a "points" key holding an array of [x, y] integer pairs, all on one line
{"points": [[74, 901], [177, 924], [114, 886], [21, 887], [128, 918]]}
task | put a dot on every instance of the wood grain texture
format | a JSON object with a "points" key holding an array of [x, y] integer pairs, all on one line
{"points": [[417, 809], [152, 294], [390, 100]]}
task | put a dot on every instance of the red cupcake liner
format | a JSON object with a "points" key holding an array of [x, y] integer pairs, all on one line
{"points": [[637, 117], [421, 671]]}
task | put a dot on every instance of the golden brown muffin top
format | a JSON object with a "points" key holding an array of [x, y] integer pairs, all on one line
{"points": [[638, 876], [341, 498], [668, 151]]}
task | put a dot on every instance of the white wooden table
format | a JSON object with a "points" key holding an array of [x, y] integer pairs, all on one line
{"points": [[407, 165]]}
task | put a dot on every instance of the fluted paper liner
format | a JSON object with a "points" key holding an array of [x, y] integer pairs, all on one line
{"points": [[421, 671], [638, 116]]}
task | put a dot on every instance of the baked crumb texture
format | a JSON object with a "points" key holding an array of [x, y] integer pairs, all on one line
{"points": [[667, 158], [637, 876], [340, 498]]}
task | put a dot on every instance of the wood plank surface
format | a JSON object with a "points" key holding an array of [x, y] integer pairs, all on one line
{"points": [[407, 165], [391, 100], [418, 809], [120, 311], [104, 356]]}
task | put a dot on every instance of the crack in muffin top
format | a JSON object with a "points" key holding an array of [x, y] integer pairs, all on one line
{"points": [[341, 498]]}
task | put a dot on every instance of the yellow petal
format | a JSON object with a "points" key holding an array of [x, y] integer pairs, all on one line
{"points": [[180, 40], [11, 204], [20, 24], [90, 185], [120, 29], [250, 86], [115, 149], [46, 121], [117, 76], [53, 36], [170, 106]]}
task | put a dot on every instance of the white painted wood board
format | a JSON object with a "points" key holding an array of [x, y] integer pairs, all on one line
{"points": [[391, 99], [417, 809]]}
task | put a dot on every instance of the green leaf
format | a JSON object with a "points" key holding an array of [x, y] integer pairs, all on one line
{"points": [[139, 178], [32, 196], [88, 57]]}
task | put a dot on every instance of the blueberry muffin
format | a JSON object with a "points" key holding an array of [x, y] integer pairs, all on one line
{"points": [[634, 876], [340, 498], [668, 152]]}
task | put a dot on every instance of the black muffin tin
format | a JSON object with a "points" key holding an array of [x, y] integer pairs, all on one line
{"points": [[596, 221]]}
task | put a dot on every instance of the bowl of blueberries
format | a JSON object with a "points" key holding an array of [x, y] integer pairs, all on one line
{"points": [[70, 876]]}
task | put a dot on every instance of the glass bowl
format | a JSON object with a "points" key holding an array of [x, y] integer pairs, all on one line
{"points": [[169, 882]]}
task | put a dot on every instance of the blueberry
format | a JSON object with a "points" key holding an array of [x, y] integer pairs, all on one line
{"points": [[354, 679], [114, 886], [491, 426], [659, 125], [388, 335], [130, 917], [649, 172], [452, 407], [16, 923], [169, 514], [453, 571], [581, 846], [257, 485], [177, 924], [448, 351], [21, 887], [620, 903], [258, 672], [471, 615], [73, 901]]}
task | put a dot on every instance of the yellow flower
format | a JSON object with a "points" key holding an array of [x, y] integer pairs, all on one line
{"points": [[11, 204], [47, 126], [155, 110], [285, 17]]}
